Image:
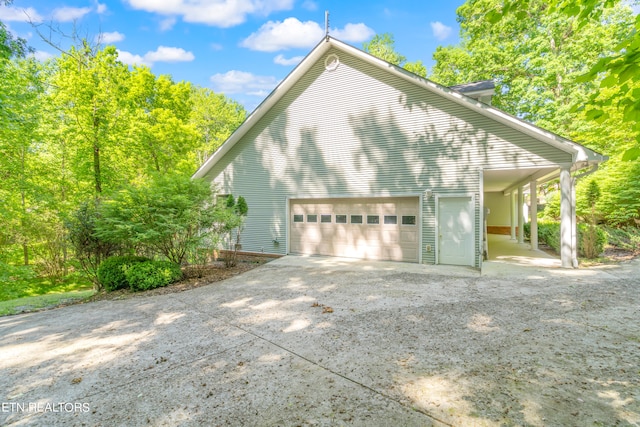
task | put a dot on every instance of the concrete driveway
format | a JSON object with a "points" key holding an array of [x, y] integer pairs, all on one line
{"points": [[322, 341]]}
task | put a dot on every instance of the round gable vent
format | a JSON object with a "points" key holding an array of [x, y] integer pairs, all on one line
{"points": [[331, 62]]}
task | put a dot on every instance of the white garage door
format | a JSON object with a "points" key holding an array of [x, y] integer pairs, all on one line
{"points": [[377, 228]]}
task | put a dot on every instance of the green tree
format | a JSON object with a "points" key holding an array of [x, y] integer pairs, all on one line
{"points": [[169, 215], [383, 46], [162, 135], [535, 57], [88, 87], [20, 198], [215, 117], [618, 68]]}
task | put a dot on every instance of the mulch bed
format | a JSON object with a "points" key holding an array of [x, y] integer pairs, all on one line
{"points": [[194, 277]]}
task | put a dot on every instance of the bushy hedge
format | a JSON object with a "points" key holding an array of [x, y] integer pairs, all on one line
{"points": [[549, 233], [112, 271], [152, 274]]}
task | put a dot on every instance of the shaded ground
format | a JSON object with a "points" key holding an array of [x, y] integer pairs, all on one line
{"points": [[337, 343], [194, 277]]}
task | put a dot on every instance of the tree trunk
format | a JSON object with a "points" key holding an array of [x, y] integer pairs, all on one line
{"points": [[96, 168], [23, 199]]}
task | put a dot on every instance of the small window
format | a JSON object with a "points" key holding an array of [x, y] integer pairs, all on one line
{"points": [[408, 220], [312, 218], [341, 219], [325, 218], [373, 219], [390, 219], [298, 218], [356, 219]]}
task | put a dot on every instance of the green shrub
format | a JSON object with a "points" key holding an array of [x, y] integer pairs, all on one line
{"points": [[627, 238], [152, 274], [549, 232], [111, 272], [591, 239], [90, 250]]}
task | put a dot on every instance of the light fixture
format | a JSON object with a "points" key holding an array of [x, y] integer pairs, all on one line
{"points": [[428, 193]]}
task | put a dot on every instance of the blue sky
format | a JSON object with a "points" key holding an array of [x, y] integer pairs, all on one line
{"points": [[242, 48]]}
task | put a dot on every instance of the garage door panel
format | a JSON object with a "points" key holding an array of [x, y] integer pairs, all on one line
{"points": [[390, 236], [408, 236], [373, 238]]}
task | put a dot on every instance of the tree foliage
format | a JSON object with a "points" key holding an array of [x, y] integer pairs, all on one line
{"points": [[81, 126], [168, 215], [535, 57], [383, 46], [617, 69]]}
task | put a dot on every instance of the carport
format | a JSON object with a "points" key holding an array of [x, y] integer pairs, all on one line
{"points": [[504, 192]]}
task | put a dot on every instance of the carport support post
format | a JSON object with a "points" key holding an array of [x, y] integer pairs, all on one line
{"points": [[521, 214], [566, 220], [512, 212], [533, 191]]}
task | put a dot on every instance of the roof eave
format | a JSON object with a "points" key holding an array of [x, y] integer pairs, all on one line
{"points": [[578, 152]]}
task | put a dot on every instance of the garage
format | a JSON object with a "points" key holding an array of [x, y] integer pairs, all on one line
{"points": [[370, 228]]}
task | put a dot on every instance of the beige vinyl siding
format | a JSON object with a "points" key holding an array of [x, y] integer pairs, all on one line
{"points": [[359, 131]]}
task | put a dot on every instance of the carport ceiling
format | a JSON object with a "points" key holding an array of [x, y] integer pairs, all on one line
{"points": [[501, 180]]}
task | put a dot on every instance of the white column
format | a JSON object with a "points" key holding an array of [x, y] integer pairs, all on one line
{"points": [[520, 214], [533, 189], [512, 212], [574, 226], [566, 221]]}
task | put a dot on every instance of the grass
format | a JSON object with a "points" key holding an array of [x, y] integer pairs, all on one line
{"points": [[34, 286], [25, 304], [21, 290]]}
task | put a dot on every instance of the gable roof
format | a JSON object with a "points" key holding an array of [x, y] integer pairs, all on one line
{"points": [[580, 154]]}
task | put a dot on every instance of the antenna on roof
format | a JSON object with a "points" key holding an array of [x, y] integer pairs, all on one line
{"points": [[326, 24]]}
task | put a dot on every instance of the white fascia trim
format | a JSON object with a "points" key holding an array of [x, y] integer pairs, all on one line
{"points": [[579, 152]]}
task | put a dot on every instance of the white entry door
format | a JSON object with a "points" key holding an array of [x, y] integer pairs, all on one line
{"points": [[455, 230]]}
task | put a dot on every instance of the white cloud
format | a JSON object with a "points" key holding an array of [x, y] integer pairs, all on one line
{"points": [[41, 55], [168, 23], [235, 81], [161, 54], [281, 60], [220, 13], [291, 33], [440, 31], [353, 33], [131, 59], [108, 38], [169, 54], [216, 46], [69, 14], [16, 14], [101, 8]]}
